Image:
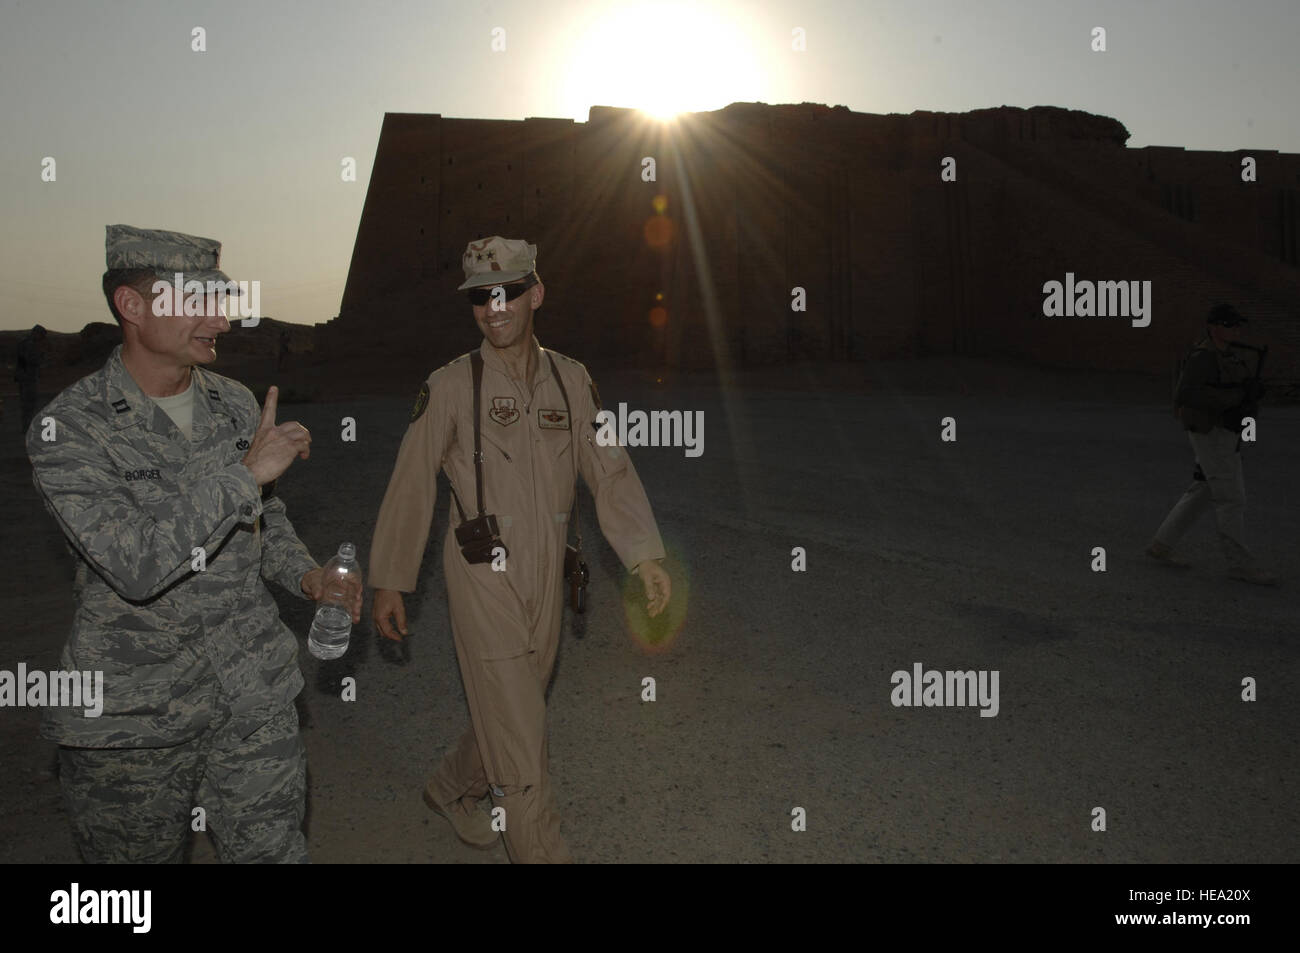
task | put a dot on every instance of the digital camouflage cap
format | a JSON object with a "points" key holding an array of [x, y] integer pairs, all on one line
{"points": [[167, 253]]}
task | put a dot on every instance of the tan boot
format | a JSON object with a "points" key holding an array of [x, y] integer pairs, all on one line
{"points": [[472, 826]]}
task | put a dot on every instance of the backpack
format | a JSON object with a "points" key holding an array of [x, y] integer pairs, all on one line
{"points": [[1179, 365]]}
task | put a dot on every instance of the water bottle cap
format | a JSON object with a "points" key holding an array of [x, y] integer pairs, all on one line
{"points": [[347, 551]]}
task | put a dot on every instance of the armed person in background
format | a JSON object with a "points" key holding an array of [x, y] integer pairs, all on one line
{"points": [[1216, 389], [161, 475], [27, 371], [536, 412]]}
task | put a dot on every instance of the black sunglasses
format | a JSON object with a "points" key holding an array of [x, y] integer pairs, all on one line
{"points": [[484, 294]]}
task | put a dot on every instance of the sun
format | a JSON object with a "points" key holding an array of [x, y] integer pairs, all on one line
{"points": [[663, 59]]}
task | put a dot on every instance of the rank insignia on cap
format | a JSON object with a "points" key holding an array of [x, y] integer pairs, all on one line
{"points": [[553, 419], [421, 402], [121, 406]]}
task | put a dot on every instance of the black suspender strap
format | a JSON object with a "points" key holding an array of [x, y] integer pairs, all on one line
{"points": [[476, 375], [476, 369]]}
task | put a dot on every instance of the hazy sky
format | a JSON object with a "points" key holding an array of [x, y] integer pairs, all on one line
{"points": [[243, 142]]}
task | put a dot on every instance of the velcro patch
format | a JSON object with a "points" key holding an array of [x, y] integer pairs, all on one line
{"points": [[503, 411], [553, 419], [421, 402]]}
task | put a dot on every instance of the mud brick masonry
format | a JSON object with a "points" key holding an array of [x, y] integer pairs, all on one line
{"points": [[757, 199]]}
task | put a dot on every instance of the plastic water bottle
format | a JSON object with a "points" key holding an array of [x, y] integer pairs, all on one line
{"points": [[332, 628]]}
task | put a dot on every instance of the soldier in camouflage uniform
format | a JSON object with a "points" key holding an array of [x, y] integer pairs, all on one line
{"points": [[1215, 391], [160, 474]]}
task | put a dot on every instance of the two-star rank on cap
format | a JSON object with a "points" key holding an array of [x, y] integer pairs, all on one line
{"points": [[497, 261]]}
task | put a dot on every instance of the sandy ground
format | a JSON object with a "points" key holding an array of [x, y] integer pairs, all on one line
{"points": [[1118, 690]]}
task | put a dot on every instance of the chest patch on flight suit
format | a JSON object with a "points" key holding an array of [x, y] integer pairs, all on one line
{"points": [[503, 411], [553, 419], [421, 402]]}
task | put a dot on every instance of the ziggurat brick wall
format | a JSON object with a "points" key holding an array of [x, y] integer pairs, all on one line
{"points": [[848, 206]]}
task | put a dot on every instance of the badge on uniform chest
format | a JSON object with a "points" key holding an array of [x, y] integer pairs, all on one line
{"points": [[553, 419], [503, 411]]}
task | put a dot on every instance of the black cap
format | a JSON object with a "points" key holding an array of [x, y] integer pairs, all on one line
{"points": [[1226, 315]]}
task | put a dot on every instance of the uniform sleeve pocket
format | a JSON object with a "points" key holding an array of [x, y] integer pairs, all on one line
{"points": [[609, 460]]}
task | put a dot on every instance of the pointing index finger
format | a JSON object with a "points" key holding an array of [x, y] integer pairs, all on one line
{"points": [[268, 407]]}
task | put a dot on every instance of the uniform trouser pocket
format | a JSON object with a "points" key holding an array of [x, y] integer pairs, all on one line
{"points": [[508, 705], [254, 791], [130, 805]]}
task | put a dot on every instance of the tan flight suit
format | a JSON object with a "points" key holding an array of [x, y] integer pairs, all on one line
{"points": [[507, 624]]}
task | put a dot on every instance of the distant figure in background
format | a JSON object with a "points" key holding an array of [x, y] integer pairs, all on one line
{"points": [[27, 371], [1216, 389]]}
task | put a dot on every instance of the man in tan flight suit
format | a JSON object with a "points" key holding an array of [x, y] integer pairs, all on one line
{"points": [[506, 624]]}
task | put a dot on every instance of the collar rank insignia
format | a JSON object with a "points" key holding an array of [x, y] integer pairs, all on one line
{"points": [[121, 406]]}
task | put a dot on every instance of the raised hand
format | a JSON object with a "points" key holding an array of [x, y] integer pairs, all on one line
{"points": [[275, 445]]}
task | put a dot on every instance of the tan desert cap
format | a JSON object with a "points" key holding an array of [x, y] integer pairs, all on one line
{"points": [[497, 261]]}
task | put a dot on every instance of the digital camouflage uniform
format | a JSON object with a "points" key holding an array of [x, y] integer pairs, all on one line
{"points": [[506, 625], [199, 672]]}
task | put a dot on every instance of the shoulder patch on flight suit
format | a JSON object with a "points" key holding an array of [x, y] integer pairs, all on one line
{"points": [[421, 402]]}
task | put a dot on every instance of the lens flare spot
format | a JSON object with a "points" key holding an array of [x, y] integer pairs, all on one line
{"points": [[658, 231], [657, 635], [660, 204], [658, 317]]}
